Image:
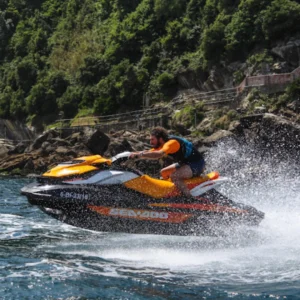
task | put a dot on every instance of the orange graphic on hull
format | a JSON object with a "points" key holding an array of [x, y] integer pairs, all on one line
{"points": [[205, 207], [139, 214]]}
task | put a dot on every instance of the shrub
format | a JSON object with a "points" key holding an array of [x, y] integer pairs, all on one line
{"points": [[279, 18], [190, 115], [94, 69], [222, 123], [26, 74], [58, 82], [169, 9], [165, 79], [17, 107], [41, 100], [213, 42], [210, 12], [68, 102], [244, 28], [258, 59], [104, 105], [5, 98], [293, 90]]}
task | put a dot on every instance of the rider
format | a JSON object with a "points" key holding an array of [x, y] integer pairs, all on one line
{"points": [[189, 161]]}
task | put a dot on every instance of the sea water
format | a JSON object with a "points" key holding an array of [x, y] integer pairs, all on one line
{"points": [[41, 258]]}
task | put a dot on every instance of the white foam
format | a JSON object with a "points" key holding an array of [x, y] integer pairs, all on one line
{"points": [[269, 253]]}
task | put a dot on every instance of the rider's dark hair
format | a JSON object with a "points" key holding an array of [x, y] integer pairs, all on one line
{"points": [[160, 132]]}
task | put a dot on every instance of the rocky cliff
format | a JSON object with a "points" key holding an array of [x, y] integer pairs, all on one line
{"points": [[272, 135]]}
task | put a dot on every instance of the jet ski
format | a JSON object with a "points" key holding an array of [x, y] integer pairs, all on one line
{"points": [[107, 195]]}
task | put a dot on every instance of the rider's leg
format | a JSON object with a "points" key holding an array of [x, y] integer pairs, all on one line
{"points": [[166, 172], [178, 177]]}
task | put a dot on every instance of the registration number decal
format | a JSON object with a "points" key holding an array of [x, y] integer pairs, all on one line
{"points": [[74, 195]]}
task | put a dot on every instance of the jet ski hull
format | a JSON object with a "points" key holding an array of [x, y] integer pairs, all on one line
{"points": [[115, 208]]}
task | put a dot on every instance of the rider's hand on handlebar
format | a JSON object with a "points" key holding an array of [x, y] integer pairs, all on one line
{"points": [[134, 155]]}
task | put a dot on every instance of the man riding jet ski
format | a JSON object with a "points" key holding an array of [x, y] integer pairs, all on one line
{"points": [[189, 161], [102, 194]]}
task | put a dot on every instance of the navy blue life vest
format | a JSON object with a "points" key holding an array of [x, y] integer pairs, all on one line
{"points": [[187, 151]]}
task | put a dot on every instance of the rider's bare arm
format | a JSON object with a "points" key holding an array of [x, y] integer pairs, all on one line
{"points": [[148, 154]]}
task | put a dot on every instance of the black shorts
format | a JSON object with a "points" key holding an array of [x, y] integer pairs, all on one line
{"points": [[197, 167]]}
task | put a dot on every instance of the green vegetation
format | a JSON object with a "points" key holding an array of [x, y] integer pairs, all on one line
{"points": [[190, 116], [291, 94], [224, 121], [101, 56], [276, 102]]}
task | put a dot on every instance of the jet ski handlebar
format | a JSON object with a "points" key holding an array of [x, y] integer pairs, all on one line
{"points": [[121, 157]]}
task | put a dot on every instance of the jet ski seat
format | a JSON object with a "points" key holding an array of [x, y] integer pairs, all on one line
{"points": [[158, 188]]}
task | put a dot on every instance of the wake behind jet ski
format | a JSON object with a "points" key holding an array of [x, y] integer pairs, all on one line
{"points": [[103, 194]]}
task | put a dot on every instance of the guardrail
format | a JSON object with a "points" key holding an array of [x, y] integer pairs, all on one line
{"points": [[139, 119], [207, 98], [143, 118], [100, 120]]}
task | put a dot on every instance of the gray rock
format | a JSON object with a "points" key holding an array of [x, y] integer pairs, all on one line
{"points": [[295, 106], [260, 109], [216, 137], [29, 165], [96, 140], [289, 52], [118, 146], [65, 151]]}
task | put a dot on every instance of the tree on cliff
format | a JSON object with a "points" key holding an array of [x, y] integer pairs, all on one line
{"points": [[77, 54]]}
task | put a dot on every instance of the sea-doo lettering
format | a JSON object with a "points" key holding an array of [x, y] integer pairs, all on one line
{"points": [[147, 214]]}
